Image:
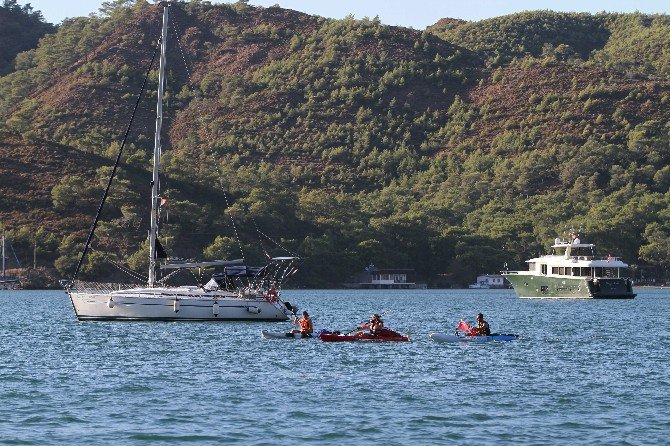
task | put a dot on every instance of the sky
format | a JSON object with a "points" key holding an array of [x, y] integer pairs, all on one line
{"points": [[415, 13]]}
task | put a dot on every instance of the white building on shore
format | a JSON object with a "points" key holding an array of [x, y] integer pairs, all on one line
{"points": [[388, 278], [490, 281]]}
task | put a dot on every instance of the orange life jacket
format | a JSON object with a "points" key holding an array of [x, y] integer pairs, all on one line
{"points": [[306, 325]]}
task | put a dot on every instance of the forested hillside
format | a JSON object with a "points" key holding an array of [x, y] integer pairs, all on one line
{"points": [[452, 150], [20, 29]]}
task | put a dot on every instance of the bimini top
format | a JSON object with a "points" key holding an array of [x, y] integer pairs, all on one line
{"points": [[240, 271], [179, 265], [573, 245]]}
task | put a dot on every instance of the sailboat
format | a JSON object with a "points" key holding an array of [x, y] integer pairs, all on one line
{"points": [[6, 282], [240, 292]]}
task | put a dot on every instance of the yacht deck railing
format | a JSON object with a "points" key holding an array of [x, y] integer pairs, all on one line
{"points": [[102, 287]]}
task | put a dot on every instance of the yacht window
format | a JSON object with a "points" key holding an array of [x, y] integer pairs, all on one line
{"points": [[561, 271], [554, 270], [586, 272]]}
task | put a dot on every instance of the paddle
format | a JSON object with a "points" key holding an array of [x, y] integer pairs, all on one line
{"points": [[363, 325], [290, 308], [295, 319], [294, 311]]}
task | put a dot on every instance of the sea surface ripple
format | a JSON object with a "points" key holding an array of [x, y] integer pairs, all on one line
{"points": [[583, 372]]}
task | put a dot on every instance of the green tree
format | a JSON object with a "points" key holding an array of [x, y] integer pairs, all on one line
{"points": [[70, 251], [222, 248], [139, 260]]}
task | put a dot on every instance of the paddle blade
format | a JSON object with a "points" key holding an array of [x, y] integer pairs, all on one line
{"points": [[463, 326]]}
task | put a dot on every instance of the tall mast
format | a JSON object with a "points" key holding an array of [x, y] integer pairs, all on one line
{"points": [[3, 253], [157, 152]]}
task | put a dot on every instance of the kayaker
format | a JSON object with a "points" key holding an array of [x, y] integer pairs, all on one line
{"points": [[376, 324], [482, 328], [306, 325]]}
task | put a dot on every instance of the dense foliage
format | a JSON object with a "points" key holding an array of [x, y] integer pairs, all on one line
{"points": [[530, 34], [625, 42], [20, 29], [453, 151]]}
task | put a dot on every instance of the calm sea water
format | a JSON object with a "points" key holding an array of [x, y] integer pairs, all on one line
{"points": [[583, 372]]}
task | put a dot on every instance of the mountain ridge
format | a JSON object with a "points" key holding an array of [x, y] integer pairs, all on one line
{"points": [[349, 141]]}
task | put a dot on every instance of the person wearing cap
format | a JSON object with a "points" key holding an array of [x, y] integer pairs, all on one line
{"points": [[376, 324]]}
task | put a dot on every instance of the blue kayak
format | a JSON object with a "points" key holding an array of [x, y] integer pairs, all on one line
{"points": [[444, 337]]}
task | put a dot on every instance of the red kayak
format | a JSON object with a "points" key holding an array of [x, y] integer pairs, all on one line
{"points": [[385, 335]]}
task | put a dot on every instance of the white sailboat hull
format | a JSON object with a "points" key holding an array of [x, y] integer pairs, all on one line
{"points": [[175, 306]]}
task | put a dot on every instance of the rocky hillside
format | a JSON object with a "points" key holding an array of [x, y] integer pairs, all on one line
{"points": [[452, 150]]}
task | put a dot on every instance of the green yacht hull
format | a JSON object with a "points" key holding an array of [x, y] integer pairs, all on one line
{"points": [[538, 287]]}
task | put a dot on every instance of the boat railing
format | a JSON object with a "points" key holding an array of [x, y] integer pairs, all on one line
{"points": [[608, 258], [102, 287]]}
